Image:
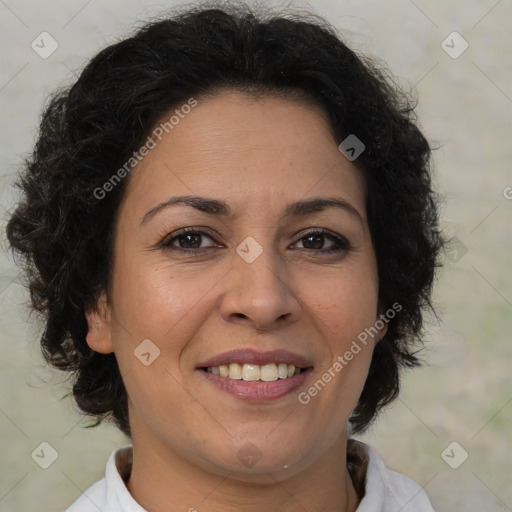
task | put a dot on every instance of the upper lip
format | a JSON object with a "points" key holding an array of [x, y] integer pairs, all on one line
{"points": [[251, 356]]}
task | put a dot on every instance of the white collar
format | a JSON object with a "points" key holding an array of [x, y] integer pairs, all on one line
{"points": [[385, 490], [388, 491]]}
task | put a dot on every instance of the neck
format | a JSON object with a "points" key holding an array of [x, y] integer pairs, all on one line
{"points": [[162, 481]]}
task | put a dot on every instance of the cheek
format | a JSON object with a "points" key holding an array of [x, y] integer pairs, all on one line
{"points": [[155, 298], [155, 302], [345, 301], [345, 309]]}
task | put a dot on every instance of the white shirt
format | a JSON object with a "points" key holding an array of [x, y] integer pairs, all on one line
{"points": [[385, 490]]}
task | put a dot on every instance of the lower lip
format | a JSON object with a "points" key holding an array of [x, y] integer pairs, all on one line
{"points": [[258, 391]]}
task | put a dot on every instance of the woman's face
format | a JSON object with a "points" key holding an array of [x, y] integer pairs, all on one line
{"points": [[264, 276]]}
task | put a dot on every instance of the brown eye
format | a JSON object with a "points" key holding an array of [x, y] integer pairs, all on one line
{"points": [[188, 239], [315, 241]]}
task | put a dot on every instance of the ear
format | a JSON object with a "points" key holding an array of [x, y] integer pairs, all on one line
{"points": [[383, 331], [381, 323], [99, 335]]}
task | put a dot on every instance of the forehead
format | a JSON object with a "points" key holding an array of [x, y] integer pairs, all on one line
{"points": [[254, 150]]}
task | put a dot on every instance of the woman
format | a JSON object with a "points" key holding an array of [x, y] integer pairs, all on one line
{"points": [[229, 225]]}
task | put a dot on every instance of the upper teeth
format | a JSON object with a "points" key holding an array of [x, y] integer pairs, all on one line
{"points": [[264, 372]]}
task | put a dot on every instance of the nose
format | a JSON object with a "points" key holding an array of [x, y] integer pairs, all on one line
{"points": [[259, 295]]}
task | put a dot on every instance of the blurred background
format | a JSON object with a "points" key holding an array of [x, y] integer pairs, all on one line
{"points": [[451, 428]]}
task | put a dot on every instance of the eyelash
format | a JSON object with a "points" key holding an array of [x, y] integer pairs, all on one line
{"points": [[340, 242]]}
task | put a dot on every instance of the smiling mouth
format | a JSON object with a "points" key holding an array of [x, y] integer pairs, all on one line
{"points": [[250, 372], [254, 376]]}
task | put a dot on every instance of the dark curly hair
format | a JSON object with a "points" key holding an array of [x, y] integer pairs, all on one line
{"points": [[65, 233]]}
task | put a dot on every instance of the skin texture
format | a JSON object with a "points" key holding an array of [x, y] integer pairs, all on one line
{"points": [[258, 155]]}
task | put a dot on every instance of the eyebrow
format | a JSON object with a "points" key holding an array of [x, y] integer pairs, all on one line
{"points": [[221, 208]]}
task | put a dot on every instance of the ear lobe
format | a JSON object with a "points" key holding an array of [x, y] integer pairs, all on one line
{"points": [[382, 325], [99, 335], [382, 332]]}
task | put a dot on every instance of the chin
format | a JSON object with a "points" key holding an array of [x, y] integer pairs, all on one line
{"points": [[252, 459]]}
